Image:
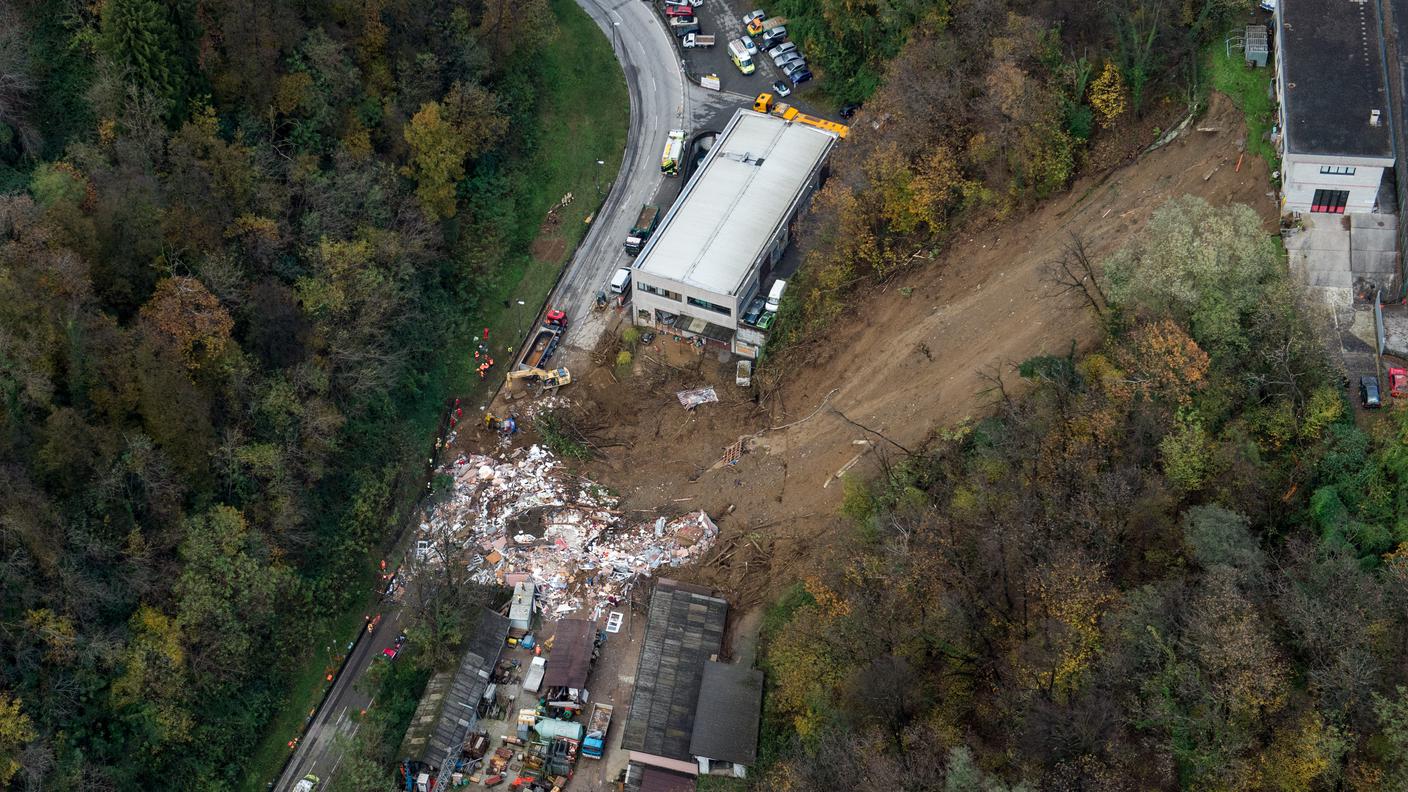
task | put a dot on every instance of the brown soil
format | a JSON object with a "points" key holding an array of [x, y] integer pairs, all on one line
{"points": [[548, 249], [909, 359]]}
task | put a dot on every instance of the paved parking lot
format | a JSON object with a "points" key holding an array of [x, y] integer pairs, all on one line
{"points": [[722, 20]]}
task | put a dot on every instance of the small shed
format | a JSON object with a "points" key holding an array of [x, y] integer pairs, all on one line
{"points": [[571, 659], [725, 737], [520, 610]]}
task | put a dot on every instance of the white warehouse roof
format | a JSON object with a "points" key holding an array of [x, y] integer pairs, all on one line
{"points": [[728, 212]]}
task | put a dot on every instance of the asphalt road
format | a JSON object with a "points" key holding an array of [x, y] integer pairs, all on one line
{"points": [[318, 753], [661, 100]]}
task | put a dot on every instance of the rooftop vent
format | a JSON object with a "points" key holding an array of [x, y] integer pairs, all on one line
{"points": [[1373, 118], [746, 158]]}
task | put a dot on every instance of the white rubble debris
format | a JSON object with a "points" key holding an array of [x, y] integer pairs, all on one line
{"points": [[524, 517]]}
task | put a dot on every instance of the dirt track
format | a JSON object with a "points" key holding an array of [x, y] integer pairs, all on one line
{"points": [[909, 359]]}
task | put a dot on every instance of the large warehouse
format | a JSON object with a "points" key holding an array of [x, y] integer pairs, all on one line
{"points": [[727, 230]]}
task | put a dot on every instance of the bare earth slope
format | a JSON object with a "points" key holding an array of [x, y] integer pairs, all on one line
{"points": [[900, 365]]}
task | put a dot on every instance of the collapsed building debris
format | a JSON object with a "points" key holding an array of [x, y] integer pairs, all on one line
{"points": [[526, 518]]}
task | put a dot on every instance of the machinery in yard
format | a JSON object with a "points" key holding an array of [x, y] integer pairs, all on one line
{"points": [[549, 379]]}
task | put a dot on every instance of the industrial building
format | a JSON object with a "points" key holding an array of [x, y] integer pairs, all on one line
{"points": [[449, 710], [690, 714], [728, 229], [1335, 139]]}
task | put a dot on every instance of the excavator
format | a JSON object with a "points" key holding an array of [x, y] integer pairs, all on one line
{"points": [[766, 103], [550, 380]]}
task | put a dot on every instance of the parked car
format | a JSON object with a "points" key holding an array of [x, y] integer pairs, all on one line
{"points": [[792, 67], [750, 46], [754, 312], [683, 26], [621, 281], [775, 295], [774, 36], [790, 61], [1369, 392], [800, 76], [783, 57], [780, 89], [690, 3], [849, 110], [786, 46], [679, 10], [1268, 5], [752, 15], [1398, 383]]}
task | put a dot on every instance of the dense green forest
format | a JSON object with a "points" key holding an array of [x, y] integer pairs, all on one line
{"points": [[234, 238]]}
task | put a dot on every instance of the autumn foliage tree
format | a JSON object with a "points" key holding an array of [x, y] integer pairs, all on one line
{"points": [[438, 151], [1157, 568], [185, 316]]}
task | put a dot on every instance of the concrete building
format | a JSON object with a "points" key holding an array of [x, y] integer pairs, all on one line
{"points": [[730, 225], [1335, 141]]}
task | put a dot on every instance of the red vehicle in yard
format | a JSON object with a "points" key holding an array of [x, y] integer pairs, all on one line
{"points": [[1398, 383], [679, 10]]}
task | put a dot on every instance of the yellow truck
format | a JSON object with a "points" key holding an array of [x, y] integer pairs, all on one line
{"points": [[740, 57], [674, 152], [765, 103]]}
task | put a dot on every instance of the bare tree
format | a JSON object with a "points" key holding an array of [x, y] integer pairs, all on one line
{"points": [[16, 83], [1073, 274]]}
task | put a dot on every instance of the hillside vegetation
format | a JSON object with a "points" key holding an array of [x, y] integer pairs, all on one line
{"points": [[235, 240], [978, 108], [1177, 562]]}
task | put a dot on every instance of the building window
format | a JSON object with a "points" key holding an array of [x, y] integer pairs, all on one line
{"points": [[648, 289], [1331, 201], [1336, 170], [697, 303]]}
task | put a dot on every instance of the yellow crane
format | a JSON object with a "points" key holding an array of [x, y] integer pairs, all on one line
{"points": [[766, 103]]}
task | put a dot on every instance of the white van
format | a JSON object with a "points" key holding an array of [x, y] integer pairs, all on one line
{"points": [[775, 295], [621, 281]]}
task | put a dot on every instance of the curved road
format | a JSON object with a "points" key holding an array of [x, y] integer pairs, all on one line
{"points": [[661, 100]]}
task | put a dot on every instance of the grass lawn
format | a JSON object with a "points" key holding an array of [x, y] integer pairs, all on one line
{"points": [[1250, 90], [584, 110]]}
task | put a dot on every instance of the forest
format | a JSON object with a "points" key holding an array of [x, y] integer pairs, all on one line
{"points": [[1178, 560], [234, 237]]}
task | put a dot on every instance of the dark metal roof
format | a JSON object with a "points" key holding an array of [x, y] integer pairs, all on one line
{"points": [[644, 778], [1331, 57], [726, 720], [457, 715], [571, 657], [684, 630]]}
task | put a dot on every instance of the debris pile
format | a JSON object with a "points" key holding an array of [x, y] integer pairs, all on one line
{"points": [[693, 398], [525, 518]]}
